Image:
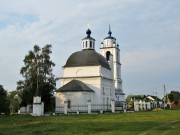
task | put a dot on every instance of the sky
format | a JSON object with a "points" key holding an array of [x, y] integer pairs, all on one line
{"points": [[147, 31]]}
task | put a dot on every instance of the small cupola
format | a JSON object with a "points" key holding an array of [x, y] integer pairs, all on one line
{"points": [[88, 42], [109, 41]]}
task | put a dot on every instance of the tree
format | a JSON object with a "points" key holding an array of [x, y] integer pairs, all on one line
{"points": [[4, 104], [174, 98], [14, 101], [38, 77]]}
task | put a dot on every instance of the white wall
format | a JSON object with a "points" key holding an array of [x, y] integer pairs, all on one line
{"points": [[95, 77], [76, 98]]}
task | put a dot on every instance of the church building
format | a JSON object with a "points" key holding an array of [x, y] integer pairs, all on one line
{"points": [[89, 76]]}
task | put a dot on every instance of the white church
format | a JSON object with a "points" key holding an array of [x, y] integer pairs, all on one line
{"points": [[91, 77]]}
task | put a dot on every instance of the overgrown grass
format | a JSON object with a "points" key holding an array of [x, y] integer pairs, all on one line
{"points": [[154, 122]]}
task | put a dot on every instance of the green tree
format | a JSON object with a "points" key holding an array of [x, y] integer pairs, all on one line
{"points": [[174, 98], [38, 77], [14, 101], [4, 104]]}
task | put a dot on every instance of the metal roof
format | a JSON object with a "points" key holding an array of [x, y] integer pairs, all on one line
{"points": [[86, 57], [75, 86]]}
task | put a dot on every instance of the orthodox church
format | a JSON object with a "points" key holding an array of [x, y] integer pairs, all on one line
{"points": [[89, 76]]}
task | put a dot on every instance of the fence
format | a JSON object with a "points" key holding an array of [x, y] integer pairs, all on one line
{"points": [[118, 106], [103, 107]]}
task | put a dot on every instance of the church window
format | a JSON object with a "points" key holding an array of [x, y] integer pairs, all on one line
{"points": [[86, 44], [69, 104], [107, 102], [108, 55], [117, 56], [110, 92], [103, 91], [90, 44]]}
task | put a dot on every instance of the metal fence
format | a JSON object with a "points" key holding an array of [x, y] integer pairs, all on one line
{"points": [[59, 109], [103, 107], [119, 106], [79, 108]]}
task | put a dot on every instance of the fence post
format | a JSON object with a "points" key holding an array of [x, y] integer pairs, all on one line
{"points": [[65, 107], [89, 106], [112, 106], [124, 107]]}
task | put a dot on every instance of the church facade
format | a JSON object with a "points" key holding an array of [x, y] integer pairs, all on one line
{"points": [[89, 76]]}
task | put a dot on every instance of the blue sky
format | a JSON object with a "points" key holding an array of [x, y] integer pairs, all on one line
{"points": [[148, 32]]}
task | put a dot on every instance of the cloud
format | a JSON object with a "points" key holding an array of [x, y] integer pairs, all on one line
{"points": [[147, 31]]}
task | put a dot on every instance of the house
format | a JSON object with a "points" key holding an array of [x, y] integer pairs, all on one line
{"points": [[142, 102], [172, 99]]}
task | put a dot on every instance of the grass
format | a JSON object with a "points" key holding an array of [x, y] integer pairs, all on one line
{"points": [[141, 123]]}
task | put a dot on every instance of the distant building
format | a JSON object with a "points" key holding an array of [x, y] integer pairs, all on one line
{"points": [[143, 102], [92, 77], [172, 99]]}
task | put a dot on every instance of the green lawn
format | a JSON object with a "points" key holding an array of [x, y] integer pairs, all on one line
{"points": [[155, 122]]}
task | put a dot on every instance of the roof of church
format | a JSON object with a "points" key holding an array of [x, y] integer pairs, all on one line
{"points": [[75, 86], [86, 58]]}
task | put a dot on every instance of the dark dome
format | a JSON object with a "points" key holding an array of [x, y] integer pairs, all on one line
{"points": [[88, 32], [86, 58]]}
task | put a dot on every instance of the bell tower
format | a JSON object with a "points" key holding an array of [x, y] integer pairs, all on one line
{"points": [[109, 46]]}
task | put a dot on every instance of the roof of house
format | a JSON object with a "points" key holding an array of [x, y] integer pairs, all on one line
{"points": [[138, 97], [75, 86], [150, 97]]}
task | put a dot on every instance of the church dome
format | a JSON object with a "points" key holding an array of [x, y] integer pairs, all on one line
{"points": [[86, 58]]}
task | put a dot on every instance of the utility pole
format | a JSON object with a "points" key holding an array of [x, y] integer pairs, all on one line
{"points": [[164, 94], [156, 99]]}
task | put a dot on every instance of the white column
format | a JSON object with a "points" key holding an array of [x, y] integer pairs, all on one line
{"points": [[112, 106], [42, 108], [65, 107], [89, 106], [124, 107]]}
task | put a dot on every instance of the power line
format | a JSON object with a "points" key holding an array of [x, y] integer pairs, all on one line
{"points": [[153, 89], [173, 86]]}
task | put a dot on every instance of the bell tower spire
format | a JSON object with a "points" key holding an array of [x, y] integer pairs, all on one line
{"points": [[109, 31]]}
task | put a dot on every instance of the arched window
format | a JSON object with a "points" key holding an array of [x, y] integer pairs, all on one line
{"points": [[69, 104], [107, 102], [90, 44], [117, 56], [86, 44], [108, 55]]}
